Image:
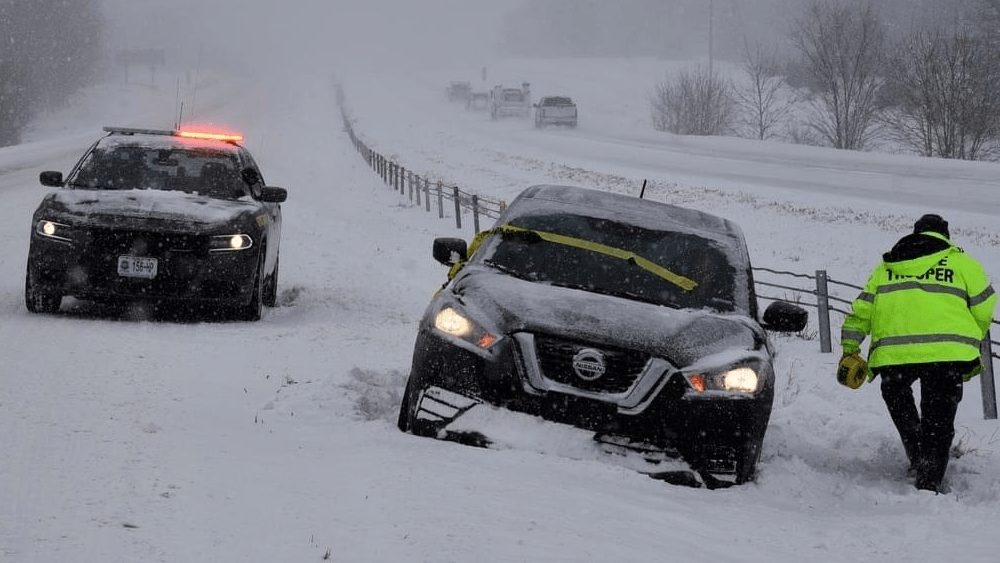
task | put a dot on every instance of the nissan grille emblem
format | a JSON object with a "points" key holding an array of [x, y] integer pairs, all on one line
{"points": [[589, 364]]}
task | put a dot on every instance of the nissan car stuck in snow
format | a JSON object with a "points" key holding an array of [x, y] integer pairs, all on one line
{"points": [[627, 327]]}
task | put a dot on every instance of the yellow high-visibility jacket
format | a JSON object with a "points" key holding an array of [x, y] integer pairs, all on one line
{"points": [[927, 301]]}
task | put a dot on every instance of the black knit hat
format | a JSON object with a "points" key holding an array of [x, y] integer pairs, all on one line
{"points": [[931, 222]]}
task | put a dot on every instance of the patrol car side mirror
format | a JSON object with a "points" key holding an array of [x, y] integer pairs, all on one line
{"points": [[448, 250], [51, 179], [271, 194]]}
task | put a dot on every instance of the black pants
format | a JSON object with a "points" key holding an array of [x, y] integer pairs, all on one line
{"points": [[926, 434]]}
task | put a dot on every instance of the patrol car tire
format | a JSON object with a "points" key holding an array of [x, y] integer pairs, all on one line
{"points": [[40, 301], [252, 310], [270, 297]]}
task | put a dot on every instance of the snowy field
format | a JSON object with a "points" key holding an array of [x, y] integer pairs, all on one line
{"points": [[133, 439]]}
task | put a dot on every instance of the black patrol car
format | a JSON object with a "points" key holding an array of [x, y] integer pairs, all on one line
{"points": [[631, 325], [163, 217]]}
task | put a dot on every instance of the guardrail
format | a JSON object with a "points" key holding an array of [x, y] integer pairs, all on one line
{"points": [[398, 178], [818, 295]]}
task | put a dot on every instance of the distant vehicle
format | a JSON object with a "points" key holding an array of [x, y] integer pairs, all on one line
{"points": [[478, 101], [632, 322], [458, 91], [510, 102], [555, 110], [178, 217]]}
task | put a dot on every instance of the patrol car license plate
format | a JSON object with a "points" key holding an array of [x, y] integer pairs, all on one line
{"points": [[137, 267]]}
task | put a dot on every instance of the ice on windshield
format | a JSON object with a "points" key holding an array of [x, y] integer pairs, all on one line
{"points": [[200, 171]]}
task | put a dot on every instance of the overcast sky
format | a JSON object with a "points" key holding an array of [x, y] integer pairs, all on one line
{"points": [[323, 33]]}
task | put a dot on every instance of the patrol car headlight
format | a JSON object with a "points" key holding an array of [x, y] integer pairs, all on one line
{"points": [[453, 323], [53, 230], [223, 243]]}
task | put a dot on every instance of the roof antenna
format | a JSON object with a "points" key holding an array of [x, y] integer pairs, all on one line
{"points": [[643, 191]]}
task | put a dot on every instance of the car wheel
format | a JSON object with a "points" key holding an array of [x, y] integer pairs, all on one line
{"points": [[252, 310], [405, 408], [270, 297], [38, 301]]}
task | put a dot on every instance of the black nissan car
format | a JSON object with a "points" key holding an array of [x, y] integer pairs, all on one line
{"points": [[177, 217], [629, 322]]}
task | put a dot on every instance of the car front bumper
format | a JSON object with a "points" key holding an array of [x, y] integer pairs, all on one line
{"points": [[666, 414], [185, 272]]}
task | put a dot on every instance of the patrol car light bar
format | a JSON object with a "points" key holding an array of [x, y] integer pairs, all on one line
{"points": [[225, 137]]}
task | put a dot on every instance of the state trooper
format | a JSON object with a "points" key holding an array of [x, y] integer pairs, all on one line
{"points": [[927, 308]]}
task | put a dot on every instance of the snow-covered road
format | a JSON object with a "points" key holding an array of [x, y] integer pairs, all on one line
{"points": [[127, 439]]}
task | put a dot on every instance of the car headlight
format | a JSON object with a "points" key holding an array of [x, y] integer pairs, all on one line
{"points": [[53, 230], [223, 243], [453, 323], [744, 380]]}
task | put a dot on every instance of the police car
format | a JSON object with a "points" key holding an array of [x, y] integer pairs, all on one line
{"points": [[164, 217]]}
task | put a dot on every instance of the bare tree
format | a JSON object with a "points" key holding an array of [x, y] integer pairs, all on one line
{"points": [[842, 45], [947, 91], [694, 102], [763, 99]]}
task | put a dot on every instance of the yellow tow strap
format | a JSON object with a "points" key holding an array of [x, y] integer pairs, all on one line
{"points": [[629, 256]]}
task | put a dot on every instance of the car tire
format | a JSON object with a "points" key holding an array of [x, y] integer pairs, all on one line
{"points": [[404, 421], [252, 310], [38, 301], [270, 297]]}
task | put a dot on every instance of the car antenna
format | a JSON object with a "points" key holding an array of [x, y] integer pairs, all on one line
{"points": [[642, 192]]}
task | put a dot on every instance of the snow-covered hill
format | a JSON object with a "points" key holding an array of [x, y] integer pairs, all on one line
{"points": [[129, 439]]}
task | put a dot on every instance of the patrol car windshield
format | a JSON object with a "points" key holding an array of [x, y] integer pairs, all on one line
{"points": [[576, 265], [202, 171]]}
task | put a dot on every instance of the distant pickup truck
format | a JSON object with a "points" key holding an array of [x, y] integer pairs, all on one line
{"points": [[555, 110]]}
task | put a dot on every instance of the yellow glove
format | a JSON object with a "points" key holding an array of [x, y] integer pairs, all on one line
{"points": [[852, 370]]}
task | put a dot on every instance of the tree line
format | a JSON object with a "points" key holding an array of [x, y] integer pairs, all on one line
{"points": [[851, 80], [49, 49], [850, 74]]}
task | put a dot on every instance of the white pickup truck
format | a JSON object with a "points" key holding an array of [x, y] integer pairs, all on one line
{"points": [[555, 110]]}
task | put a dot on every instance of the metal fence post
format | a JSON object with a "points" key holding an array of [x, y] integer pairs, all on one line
{"points": [[823, 312], [475, 213], [440, 199], [417, 180], [986, 380], [409, 181], [427, 194], [458, 208]]}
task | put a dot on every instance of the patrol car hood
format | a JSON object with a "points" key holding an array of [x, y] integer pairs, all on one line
{"points": [[680, 335], [116, 207]]}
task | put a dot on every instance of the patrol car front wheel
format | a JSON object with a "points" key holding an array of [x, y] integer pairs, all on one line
{"points": [[38, 301]]}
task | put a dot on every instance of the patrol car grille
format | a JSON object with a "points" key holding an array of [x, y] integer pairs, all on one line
{"points": [[151, 244], [622, 366]]}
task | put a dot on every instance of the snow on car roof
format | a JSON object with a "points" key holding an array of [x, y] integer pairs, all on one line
{"points": [[640, 212]]}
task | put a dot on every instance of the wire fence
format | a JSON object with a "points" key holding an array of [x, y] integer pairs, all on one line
{"points": [[816, 290]]}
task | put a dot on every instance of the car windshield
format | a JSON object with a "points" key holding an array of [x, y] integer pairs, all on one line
{"points": [[615, 265], [203, 171], [558, 101]]}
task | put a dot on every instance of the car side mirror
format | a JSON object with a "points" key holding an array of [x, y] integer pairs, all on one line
{"points": [[785, 317], [51, 179], [449, 251], [272, 194]]}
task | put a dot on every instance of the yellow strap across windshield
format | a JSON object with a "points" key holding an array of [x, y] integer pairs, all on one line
{"points": [[627, 255]]}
